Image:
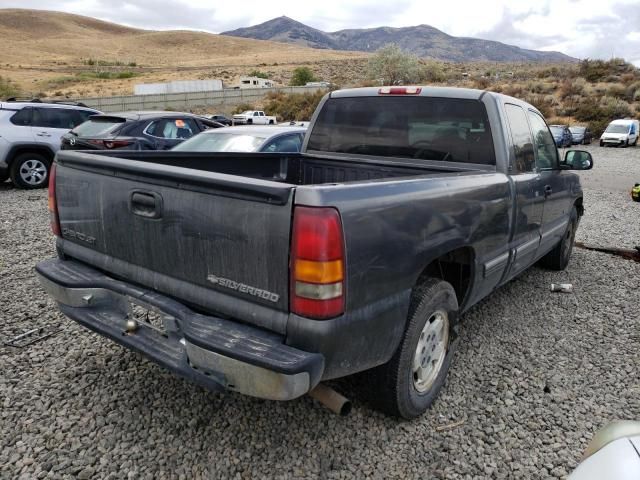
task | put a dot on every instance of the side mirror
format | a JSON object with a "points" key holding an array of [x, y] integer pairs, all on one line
{"points": [[578, 160]]}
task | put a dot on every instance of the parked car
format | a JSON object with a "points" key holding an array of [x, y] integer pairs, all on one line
{"points": [[580, 135], [30, 135], [246, 139], [253, 117], [621, 133], [612, 453], [270, 273], [561, 135], [223, 119], [135, 131]]}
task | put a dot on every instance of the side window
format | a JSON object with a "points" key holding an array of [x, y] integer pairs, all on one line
{"points": [[55, 118], [525, 160], [22, 117], [547, 153], [285, 143], [255, 114], [172, 128]]}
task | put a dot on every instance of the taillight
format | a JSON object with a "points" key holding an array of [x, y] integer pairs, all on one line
{"points": [[53, 203], [399, 91], [317, 263]]}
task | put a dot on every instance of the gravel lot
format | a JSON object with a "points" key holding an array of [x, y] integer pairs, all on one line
{"points": [[536, 374]]}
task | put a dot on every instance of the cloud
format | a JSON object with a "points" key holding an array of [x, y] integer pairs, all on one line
{"points": [[580, 28]]}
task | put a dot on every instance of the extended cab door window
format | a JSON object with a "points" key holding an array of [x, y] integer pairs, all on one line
{"points": [[524, 160], [547, 153]]}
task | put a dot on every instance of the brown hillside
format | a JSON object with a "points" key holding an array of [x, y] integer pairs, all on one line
{"points": [[41, 50]]}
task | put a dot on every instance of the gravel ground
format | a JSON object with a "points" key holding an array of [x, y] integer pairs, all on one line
{"points": [[537, 373]]}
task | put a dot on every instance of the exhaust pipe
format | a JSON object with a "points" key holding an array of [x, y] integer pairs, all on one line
{"points": [[331, 399]]}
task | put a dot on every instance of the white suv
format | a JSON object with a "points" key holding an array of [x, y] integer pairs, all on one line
{"points": [[30, 137]]}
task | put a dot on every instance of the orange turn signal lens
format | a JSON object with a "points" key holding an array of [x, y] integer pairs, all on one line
{"points": [[318, 272]]}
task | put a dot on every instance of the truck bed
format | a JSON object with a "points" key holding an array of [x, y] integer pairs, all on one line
{"points": [[293, 169]]}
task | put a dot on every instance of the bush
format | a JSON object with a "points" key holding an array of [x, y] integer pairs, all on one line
{"points": [[295, 106], [391, 66], [599, 70], [569, 88], [432, 72], [8, 88], [258, 73], [544, 103], [301, 76], [617, 91], [243, 107]]}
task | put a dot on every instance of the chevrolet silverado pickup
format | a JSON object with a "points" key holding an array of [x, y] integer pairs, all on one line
{"points": [[266, 274]]}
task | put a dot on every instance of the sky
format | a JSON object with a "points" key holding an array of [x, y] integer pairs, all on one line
{"points": [[580, 28]]}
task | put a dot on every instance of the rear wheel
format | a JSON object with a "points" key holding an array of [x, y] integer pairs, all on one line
{"points": [[408, 384], [30, 170], [558, 258], [635, 142]]}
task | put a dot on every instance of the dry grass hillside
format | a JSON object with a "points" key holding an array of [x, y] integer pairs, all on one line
{"points": [[49, 52]]}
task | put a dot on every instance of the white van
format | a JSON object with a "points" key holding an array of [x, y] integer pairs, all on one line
{"points": [[621, 133]]}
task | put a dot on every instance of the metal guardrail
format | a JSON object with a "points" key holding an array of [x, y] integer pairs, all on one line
{"points": [[182, 101]]}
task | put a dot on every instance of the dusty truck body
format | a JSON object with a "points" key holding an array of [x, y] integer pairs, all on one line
{"points": [[268, 273]]}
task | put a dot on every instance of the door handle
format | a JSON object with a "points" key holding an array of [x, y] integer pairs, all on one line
{"points": [[43, 134], [547, 190], [145, 204]]}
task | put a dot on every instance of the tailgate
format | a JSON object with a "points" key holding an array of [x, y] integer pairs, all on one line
{"points": [[219, 232]]}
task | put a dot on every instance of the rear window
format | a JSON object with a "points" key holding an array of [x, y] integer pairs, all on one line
{"points": [[98, 126], [221, 142], [445, 129]]}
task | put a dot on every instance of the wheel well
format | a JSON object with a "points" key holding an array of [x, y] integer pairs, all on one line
{"points": [[579, 206], [455, 267], [29, 148]]}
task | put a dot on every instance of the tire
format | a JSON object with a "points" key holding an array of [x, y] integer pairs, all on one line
{"points": [[635, 142], [30, 170], [398, 387], [270, 122], [558, 258], [601, 143], [249, 121]]}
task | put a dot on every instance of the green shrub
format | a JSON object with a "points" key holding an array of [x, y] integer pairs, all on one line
{"points": [[544, 103], [258, 73], [243, 107], [617, 91], [391, 66], [8, 88], [301, 76], [295, 106]]}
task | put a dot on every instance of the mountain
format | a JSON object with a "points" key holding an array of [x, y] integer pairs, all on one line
{"points": [[38, 38], [421, 40]]}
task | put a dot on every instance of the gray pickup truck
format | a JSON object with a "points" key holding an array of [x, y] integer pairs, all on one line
{"points": [[269, 273]]}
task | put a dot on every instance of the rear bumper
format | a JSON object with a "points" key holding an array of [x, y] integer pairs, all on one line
{"points": [[214, 352]]}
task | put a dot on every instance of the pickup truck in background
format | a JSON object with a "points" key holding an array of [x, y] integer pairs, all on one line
{"points": [[253, 117], [269, 273]]}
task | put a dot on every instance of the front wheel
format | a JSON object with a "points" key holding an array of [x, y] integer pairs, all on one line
{"points": [[408, 384], [30, 170], [601, 143], [558, 258]]}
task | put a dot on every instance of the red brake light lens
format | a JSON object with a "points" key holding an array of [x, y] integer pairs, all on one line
{"points": [[317, 263], [53, 202], [400, 91]]}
